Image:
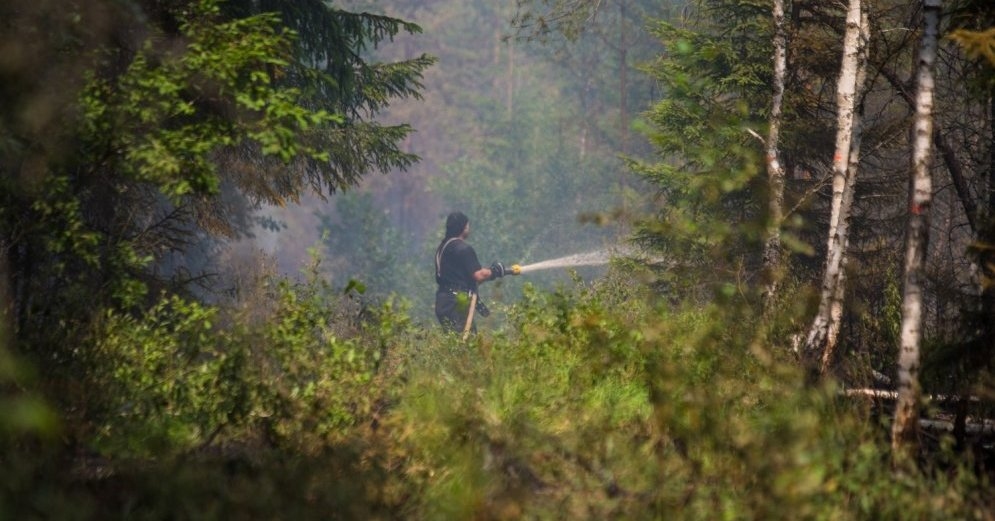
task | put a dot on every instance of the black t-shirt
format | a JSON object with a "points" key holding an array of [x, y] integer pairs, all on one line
{"points": [[456, 264]]}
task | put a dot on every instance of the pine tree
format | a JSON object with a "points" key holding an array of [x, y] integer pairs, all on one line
{"points": [[170, 123]]}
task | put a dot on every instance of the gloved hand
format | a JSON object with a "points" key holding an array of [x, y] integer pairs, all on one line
{"points": [[497, 270], [482, 308]]}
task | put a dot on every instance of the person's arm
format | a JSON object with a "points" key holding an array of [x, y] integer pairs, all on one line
{"points": [[482, 275], [495, 271]]}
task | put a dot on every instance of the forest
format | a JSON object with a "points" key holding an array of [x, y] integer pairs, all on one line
{"points": [[753, 246]]}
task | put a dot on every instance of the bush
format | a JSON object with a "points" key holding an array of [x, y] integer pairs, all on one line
{"points": [[582, 410], [590, 403]]}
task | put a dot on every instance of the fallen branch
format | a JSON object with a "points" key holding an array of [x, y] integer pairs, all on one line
{"points": [[892, 395], [984, 427], [880, 377]]}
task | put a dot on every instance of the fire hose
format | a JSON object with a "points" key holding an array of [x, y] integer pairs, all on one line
{"points": [[514, 269]]}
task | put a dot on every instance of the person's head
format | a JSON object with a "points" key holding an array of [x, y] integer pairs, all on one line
{"points": [[457, 225]]}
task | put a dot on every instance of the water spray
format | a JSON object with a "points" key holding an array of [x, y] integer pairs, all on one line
{"points": [[593, 258]]}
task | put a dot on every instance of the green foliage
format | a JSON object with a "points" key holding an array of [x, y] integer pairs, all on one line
{"points": [[543, 19], [166, 137], [509, 421], [176, 378], [22, 413], [57, 210], [332, 71], [171, 110], [164, 379], [90, 226], [979, 47], [643, 412], [316, 381], [209, 412], [295, 401], [977, 44], [594, 403], [167, 142], [707, 174]]}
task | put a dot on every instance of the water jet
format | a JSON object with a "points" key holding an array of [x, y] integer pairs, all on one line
{"points": [[592, 258]]}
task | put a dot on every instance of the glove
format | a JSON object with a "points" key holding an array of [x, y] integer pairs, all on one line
{"points": [[497, 270], [482, 308]]}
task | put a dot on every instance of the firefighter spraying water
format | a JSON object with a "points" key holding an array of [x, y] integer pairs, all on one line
{"points": [[458, 274]]}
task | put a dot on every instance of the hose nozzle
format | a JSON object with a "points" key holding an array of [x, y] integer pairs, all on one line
{"points": [[515, 269]]}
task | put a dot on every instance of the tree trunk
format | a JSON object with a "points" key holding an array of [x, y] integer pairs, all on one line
{"points": [[987, 237], [846, 95], [991, 155], [904, 431], [947, 153], [623, 84], [7, 305], [846, 203], [510, 102], [623, 99], [775, 171]]}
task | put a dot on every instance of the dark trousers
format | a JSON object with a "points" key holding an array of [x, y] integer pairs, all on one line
{"points": [[452, 310]]}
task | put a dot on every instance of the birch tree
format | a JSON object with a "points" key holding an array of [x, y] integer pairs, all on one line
{"points": [[905, 427], [775, 170], [843, 179], [846, 204]]}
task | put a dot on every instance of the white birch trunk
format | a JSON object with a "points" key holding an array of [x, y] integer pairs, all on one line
{"points": [[904, 432], [846, 203], [846, 96], [775, 171]]}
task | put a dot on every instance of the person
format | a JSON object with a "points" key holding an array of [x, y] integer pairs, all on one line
{"points": [[458, 274]]}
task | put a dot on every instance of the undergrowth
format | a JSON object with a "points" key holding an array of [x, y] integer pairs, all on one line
{"points": [[591, 402]]}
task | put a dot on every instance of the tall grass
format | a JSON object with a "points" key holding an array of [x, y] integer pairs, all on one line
{"points": [[591, 402], [583, 410]]}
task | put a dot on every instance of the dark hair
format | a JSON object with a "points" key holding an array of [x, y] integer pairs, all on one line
{"points": [[455, 224]]}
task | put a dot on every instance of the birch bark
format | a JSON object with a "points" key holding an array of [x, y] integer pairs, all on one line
{"points": [[846, 96], [904, 430], [775, 171], [843, 226]]}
